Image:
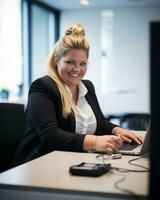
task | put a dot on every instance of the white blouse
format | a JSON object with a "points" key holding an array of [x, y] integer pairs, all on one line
{"points": [[85, 119]]}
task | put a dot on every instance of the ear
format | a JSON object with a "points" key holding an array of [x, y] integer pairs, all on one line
{"points": [[56, 60]]}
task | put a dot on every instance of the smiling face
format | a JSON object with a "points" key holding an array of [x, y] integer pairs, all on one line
{"points": [[72, 67]]}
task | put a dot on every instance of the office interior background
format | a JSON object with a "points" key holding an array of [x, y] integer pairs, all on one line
{"points": [[118, 32], [119, 63]]}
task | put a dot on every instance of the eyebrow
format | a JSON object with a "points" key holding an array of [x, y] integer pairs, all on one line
{"points": [[75, 60]]}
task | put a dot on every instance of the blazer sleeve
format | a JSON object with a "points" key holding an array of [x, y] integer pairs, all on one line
{"points": [[44, 110], [103, 126]]}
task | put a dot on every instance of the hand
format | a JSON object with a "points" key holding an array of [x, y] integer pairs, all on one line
{"points": [[128, 136], [107, 143]]}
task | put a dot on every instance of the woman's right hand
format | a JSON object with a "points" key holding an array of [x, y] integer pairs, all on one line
{"points": [[107, 143]]}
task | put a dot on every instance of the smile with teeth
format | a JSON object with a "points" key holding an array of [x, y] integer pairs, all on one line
{"points": [[74, 75]]}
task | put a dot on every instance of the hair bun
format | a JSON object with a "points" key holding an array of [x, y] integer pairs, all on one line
{"points": [[75, 29]]}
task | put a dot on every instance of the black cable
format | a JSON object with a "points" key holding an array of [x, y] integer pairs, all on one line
{"points": [[138, 165], [123, 170], [131, 193], [146, 169]]}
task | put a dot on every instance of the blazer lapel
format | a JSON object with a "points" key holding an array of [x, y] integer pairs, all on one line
{"points": [[92, 104]]}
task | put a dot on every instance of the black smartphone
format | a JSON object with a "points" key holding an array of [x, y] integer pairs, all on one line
{"points": [[89, 169]]}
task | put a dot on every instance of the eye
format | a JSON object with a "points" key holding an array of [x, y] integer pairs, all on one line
{"points": [[83, 64], [71, 62]]}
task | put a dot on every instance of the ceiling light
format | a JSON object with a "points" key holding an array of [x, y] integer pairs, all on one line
{"points": [[84, 2]]}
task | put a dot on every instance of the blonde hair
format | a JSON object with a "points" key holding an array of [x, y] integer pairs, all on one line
{"points": [[74, 38]]}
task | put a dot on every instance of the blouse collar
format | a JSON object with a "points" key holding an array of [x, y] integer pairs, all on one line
{"points": [[82, 90]]}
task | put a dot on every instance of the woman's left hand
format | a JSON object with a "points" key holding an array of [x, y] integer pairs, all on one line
{"points": [[128, 136]]}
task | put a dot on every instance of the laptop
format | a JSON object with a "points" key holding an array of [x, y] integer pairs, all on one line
{"points": [[137, 149]]}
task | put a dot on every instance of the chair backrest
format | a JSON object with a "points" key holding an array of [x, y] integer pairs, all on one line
{"points": [[135, 121], [12, 127], [131, 121]]}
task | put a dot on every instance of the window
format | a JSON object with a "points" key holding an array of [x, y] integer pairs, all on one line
{"points": [[28, 30], [40, 32], [10, 48], [107, 50]]}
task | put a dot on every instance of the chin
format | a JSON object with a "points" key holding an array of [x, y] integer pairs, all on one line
{"points": [[73, 83]]}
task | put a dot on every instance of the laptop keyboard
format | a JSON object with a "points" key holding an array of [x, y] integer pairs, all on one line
{"points": [[128, 147]]}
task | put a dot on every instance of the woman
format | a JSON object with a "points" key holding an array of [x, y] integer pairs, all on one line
{"points": [[63, 111]]}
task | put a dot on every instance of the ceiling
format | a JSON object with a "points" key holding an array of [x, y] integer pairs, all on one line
{"points": [[74, 4]]}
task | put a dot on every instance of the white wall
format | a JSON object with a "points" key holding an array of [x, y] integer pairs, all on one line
{"points": [[130, 92]]}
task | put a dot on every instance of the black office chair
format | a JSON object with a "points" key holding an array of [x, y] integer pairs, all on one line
{"points": [[12, 126], [131, 121], [135, 121]]}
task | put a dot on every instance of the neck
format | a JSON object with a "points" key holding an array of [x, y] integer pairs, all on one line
{"points": [[75, 93]]}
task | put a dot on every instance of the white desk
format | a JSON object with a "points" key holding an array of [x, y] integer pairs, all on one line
{"points": [[48, 178]]}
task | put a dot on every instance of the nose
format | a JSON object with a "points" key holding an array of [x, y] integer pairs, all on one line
{"points": [[76, 68]]}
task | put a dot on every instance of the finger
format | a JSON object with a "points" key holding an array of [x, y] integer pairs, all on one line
{"points": [[126, 139], [111, 146], [117, 144], [131, 137], [140, 138], [117, 140], [135, 139], [109, 150]]}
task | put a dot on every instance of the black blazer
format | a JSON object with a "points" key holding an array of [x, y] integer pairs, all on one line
{"points": [[46, 129]]}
